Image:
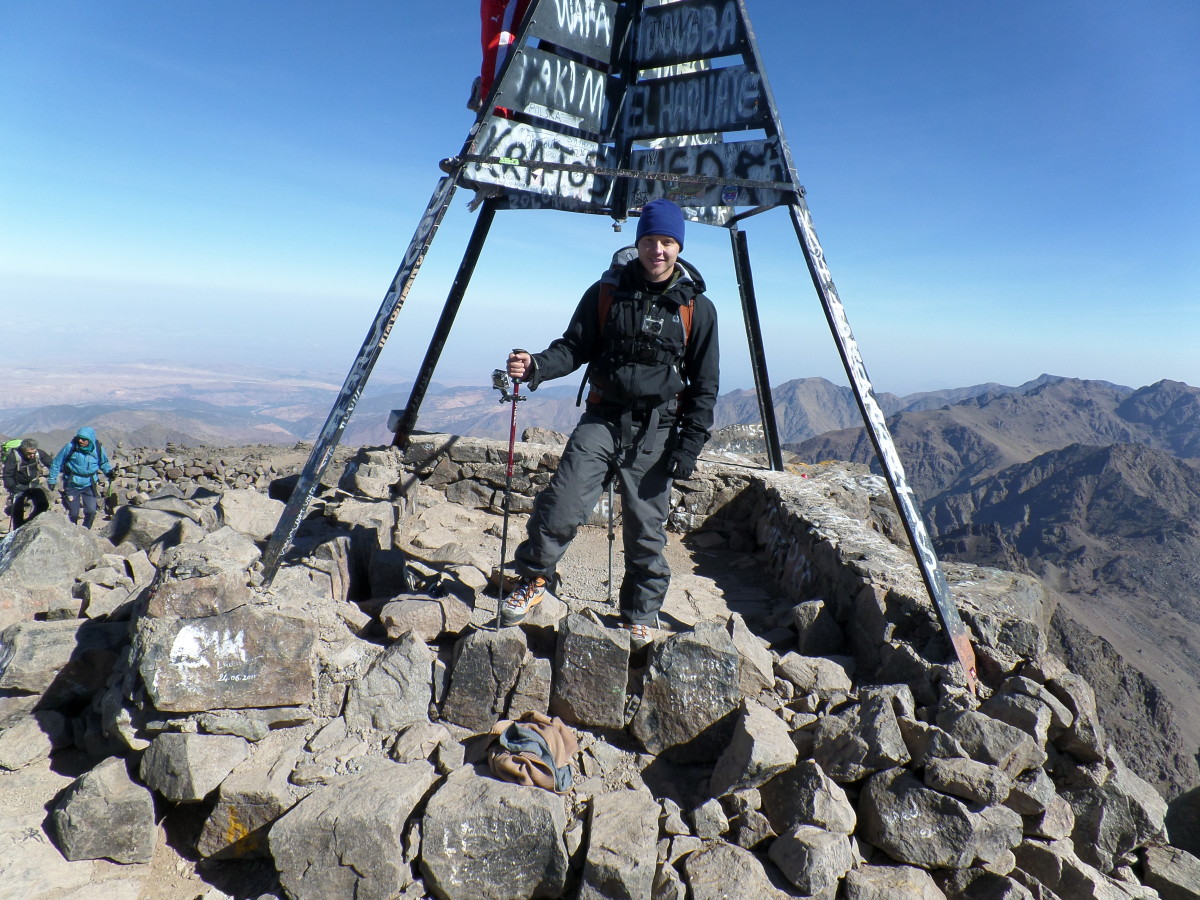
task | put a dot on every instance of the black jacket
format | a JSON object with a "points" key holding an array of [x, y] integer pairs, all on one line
{"points": [[638, 365], [20, 473]]}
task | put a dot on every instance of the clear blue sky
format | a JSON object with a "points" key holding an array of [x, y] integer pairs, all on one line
{"points": [[1001, 189]]}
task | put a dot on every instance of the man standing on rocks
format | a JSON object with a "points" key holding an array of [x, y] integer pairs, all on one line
{"points": [[648, 336], [23, 470], [80, 462]]}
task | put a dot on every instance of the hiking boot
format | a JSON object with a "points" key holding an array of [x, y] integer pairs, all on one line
{"points": [[528, 593], [640, 634]]}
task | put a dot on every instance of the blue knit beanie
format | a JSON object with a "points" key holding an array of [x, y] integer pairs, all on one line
{"points": [[663, 217]]}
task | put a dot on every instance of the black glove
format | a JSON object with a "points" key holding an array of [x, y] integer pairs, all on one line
{"points": [[680, 464]]}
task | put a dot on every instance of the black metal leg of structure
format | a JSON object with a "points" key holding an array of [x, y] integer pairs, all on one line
{"points": [[356, 379], [758, 359], [408, 419], [885, 447]]}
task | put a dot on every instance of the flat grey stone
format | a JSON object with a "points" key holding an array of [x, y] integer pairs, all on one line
{"points": [[622, 849], [396, 689], [761, 748], [246, 657], [346, 839], [105, 815], [188, 767], [590, 673], [468, 844]]}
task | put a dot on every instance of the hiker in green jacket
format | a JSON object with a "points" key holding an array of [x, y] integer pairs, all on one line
{"points": [[24, 467], [81, 462]]}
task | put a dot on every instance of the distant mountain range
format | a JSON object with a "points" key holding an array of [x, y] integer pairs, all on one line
{"points": [[1095, 488], [1092, 486]]}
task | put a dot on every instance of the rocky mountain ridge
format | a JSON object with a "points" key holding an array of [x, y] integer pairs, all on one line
{"points": [[1093, 487], [151, 408]]}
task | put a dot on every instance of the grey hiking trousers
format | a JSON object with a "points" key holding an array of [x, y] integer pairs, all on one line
{"points": [[568, 500]]}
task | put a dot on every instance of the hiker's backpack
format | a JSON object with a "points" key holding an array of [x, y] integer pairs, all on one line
{"points": [[608, 286], [10, 446]]}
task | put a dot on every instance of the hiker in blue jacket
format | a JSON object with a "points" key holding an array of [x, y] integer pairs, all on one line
{"points": [[81, 463], [653, 371]]}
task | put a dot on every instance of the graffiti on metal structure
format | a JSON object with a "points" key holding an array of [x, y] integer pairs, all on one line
{"points": [[539, 78], [683, 31], [743, 160], [876, 421], [508, 140], [523, 200], [717, 100], [585, 26]]}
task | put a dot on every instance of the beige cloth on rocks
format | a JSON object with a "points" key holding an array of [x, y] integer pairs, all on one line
{"points": [[538, 737]]}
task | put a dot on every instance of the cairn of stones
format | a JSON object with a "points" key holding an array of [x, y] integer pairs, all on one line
{"points": [[334, 724]]}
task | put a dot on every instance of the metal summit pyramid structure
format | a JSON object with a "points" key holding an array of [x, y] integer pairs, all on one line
{"points": [[599, 107]]}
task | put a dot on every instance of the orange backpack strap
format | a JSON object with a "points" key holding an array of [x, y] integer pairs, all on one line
{"points": [[604, 304]]}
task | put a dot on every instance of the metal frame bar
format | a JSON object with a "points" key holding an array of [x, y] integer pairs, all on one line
{"points": [[758, 358], [408, 419]]}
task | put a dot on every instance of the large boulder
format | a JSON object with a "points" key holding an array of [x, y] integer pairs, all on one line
{"points": [[256, 793], [483, 839], [250, 513], [1115, 817], [1174, 873], [590, 674], [64, 660], [859, 740], [813, 859], [761, 748], [346, 839], [721, 871], [892, 883], [40, 562], [396, 689], [106, 815], [921, 827], [486, 665], [27, 737], [188, 767], [246, 657], [805, 795], [691, 684], [622, 846]]}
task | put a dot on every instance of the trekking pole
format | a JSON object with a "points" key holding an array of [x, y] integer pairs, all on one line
{"points": [[501, 382], [611, 538]]}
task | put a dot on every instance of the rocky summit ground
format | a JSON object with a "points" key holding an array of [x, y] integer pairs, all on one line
{"points": [[171, 726]]}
